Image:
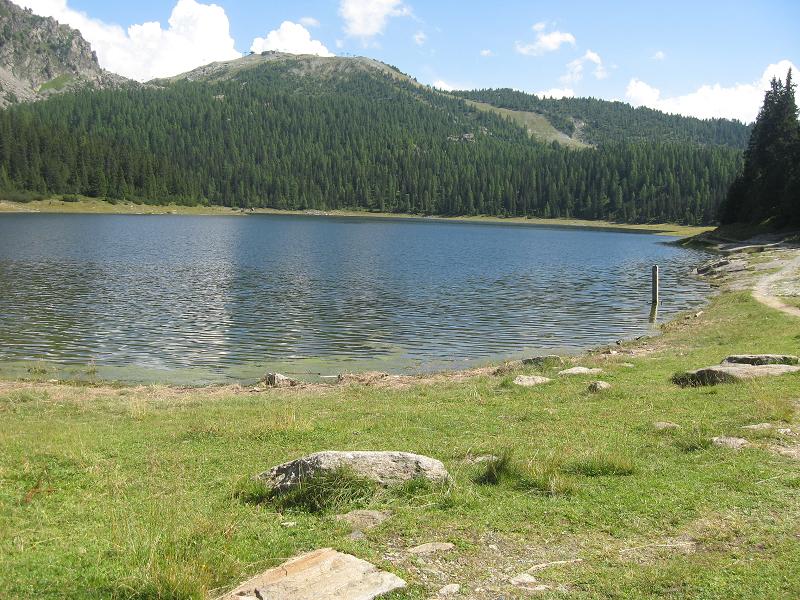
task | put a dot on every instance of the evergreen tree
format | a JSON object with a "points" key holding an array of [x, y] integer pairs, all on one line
{"points": [[768, 186]]}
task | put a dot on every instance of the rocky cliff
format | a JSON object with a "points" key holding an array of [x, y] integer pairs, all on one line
{"points": [[39, 56]]}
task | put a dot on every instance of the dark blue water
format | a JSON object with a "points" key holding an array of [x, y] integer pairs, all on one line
{"points": [[183, 298]]}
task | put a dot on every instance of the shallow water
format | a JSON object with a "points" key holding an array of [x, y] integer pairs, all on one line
{"points": [[208, 299]]}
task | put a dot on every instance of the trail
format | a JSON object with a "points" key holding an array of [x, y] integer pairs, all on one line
{"points": [[787, 279]]}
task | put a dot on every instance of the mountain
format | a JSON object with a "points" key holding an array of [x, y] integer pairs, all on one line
{"points": [[39, 57], [306, 132]]}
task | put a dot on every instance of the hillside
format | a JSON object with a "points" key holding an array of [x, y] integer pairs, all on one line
{"points": [[282, 131], [39, 57], [600, 121]]}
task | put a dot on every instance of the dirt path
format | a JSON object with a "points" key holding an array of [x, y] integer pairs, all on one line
{"points": [[786, 282]]}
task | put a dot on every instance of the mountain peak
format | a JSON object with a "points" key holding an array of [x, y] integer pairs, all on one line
{"points": [[40, 57]]}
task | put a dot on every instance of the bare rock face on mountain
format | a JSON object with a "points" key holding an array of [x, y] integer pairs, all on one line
{"points": [[39, 57]]}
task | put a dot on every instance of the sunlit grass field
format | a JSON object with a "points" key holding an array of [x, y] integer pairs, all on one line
{"points": [[115, 492]]}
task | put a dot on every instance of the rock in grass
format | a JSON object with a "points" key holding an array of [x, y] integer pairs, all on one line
{"points": [[531, 380], [758, 426], [732, 373], [450, 590], [322, 575], [665, 426], [384, 468], [543, 361], [431, 548], [362, 520], [580, 371], [734, 443], [599, 386], [761, 359], [277, 380]]}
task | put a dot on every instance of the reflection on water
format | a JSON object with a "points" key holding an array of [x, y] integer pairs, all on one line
{"points": [[219, 297]]}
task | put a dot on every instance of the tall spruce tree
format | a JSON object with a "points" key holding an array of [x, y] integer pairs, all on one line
{"points": [[768, 189]]}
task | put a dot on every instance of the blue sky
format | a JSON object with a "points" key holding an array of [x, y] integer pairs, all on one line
{"points": [[704, 58]]}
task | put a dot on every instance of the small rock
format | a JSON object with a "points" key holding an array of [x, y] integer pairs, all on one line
{"points": [[665, 426], [785, 431], [610, 352], [599, 386], [277, 380], [580, 371], [430, 548], [385, 468], [289, 524], [541, 361], [363, 520], [450, 590], [733, 443], [762, 359], [758, 426], [357, 536], [627, 365], [476, 460], [524, 579], [531, 380]]}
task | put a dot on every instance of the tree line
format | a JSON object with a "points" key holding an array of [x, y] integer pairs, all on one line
{"points": [[269, 137]]}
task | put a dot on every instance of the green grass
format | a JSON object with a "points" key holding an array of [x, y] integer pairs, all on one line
{"points": [[56, 84], [109, 492]]}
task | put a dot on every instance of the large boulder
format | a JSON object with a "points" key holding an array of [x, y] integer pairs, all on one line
{"points": [[762, 359], [733, 373], [278, 380], [384, 468]]}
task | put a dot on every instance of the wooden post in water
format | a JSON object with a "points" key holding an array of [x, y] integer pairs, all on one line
{"points": [[655, 285]]}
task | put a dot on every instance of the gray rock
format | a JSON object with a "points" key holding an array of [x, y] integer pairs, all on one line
{"points": [[531, 380], [431, 548], [599, 386], [320, 575], [580, 371], [762, 359], [627, 365], [523, 579], [665, 426], [732, 373], [543, 361], [758, 427], [734, 443], [363, 520], [385, 468], [357, 536], [277, 380], [450, 590]]}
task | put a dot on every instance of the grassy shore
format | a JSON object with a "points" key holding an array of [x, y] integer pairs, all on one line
{"points": [[93, 205], [144, 492]]}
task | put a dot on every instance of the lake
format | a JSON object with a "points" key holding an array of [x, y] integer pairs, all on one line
{"points": [[201, 299]]}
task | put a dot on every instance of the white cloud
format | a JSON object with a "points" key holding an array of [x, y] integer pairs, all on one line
{"points": [[197, 34], [545, 42], [443, 85], [575, 68], [740, 101], [659, 55], [292, 38], [420, 38], [368, 18], [309, 22], [487, 52], [557, 93]]}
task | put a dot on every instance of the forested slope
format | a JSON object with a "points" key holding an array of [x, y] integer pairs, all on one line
{"points": [[345, 135]]}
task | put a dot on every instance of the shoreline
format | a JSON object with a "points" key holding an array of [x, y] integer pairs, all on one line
{"points": [[93, 206]]}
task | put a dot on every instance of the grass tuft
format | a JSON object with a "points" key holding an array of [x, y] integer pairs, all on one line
{"points": [[496, 469], [321, 493], [600, 464]]}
